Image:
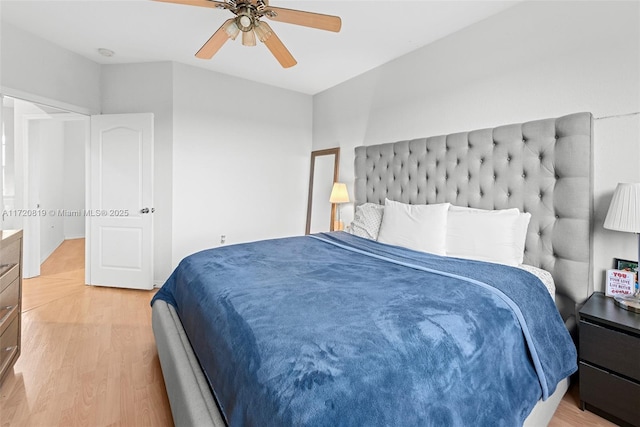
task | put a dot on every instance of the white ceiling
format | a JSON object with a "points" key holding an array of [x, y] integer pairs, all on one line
{"points": [[373, 33]]}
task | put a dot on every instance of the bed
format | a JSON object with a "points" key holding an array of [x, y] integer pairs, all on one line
{"points": [[541, 167]]}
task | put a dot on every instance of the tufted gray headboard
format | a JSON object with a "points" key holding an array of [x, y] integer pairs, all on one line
{"points": [[543, 167]]}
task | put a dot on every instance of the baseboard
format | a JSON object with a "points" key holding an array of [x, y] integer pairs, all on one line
{"points": [[74, 237]]}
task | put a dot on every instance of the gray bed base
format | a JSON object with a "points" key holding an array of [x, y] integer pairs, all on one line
{"points": [[543, 167], [191, 399]]}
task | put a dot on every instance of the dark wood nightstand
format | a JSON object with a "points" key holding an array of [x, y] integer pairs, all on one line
{"points": [[610, 360]]}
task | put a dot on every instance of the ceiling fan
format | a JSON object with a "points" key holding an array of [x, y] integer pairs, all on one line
{"points": [[247, 21]]}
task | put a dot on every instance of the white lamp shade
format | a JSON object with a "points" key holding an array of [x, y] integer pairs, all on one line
{"points": [[624, 211], [339, 193]]}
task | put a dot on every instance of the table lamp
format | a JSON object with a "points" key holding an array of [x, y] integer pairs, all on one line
{"points": [[339, 195], [624, 215]]}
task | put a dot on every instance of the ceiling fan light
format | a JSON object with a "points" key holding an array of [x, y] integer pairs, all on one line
{"points": [[245, 21], [232, 29], [248, 38], [263, 31]]}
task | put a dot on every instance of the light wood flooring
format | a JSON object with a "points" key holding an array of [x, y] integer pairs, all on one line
{"points": [[88, 353], [89, 357]]}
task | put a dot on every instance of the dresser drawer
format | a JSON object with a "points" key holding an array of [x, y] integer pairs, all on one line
{"points": [[9, 300], [9, 343], [10, 274], [610, 393], [610, 349], [9, 254]]}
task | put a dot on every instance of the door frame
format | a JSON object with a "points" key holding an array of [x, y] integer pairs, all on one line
{"points": [[31, 223], [75, 109], [53, 103]]}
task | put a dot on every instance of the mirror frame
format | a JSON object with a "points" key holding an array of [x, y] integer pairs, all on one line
{"points": [[336, 165]]}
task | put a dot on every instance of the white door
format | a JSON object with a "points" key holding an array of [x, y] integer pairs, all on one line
{"points": [[120, 201]]}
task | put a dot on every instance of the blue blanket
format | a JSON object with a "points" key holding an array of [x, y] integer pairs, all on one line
{"points": [[336, 330]]}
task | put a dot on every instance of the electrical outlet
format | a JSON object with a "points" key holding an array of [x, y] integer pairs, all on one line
{"points": [[223, 239]]}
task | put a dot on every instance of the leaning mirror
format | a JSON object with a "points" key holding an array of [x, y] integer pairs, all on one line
{"points": [[323, 173]]}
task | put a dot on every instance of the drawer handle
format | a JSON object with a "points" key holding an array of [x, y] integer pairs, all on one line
{"points": [[9, 349]]}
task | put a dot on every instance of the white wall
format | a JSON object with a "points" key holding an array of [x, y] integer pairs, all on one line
{"points": [[7, 182], [269, 133], [617, 159], [148, 88], [241, 154], [73, 177], [35, 69], [533, 61], [231, 156]]}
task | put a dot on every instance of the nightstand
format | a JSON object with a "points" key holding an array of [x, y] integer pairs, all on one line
{"points": [[610, 360]]}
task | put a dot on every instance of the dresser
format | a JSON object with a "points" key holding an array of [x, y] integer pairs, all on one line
{"points": [[610, 360], [10, 298]]}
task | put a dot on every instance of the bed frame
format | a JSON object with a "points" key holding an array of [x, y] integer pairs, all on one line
{"points": [[543, 167]]}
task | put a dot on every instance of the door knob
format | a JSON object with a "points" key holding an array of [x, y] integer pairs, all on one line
{"points": [[144, 210]]}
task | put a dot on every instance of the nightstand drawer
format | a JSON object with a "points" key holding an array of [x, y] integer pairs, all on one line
{"points": [[610, 349], [610, 393]]}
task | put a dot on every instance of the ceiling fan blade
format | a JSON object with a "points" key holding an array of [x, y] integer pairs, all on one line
{"points": [[201, 3], [275, 45], [306, 19], [215, 42]]}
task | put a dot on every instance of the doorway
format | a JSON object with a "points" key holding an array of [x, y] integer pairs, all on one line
{"points": [[43, 177]]}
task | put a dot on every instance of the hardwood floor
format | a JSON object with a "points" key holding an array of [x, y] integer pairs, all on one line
{"points": [[569, 413], [89, 356]]}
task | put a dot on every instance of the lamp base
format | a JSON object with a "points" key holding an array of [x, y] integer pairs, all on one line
{"points": [[629, 302], [338, 225]]}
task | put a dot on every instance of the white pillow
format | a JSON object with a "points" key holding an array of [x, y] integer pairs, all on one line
{"points": [[494, 236], [418, 227], [522, 225], [366, 221]]}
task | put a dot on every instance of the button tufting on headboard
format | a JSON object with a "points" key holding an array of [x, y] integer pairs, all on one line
{"points": [[542, 167]]}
